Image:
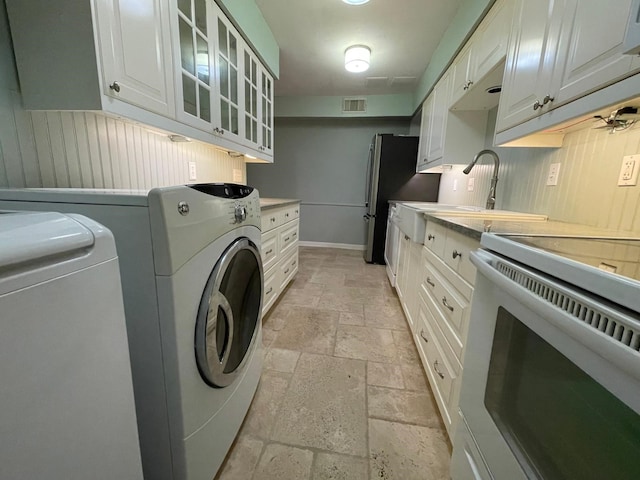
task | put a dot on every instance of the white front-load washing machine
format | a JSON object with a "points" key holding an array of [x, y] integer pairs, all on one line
{"points": [[192, 283]]}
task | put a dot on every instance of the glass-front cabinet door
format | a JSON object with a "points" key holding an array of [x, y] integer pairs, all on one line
{"points": [[266, 117], [195, 79], [229, 70], [251, 114]]}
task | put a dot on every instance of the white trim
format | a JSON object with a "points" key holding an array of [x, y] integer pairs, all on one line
{"points": [[345, 246]]}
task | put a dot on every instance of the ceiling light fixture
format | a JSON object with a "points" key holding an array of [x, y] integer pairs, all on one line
{"points": [[355, 2], [356, 58]]}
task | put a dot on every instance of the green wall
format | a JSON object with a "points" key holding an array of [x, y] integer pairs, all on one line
{"points": [[377, 106], [246, 15]]}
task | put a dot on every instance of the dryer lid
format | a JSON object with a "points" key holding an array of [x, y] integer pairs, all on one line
{"points": [[28, 237]]}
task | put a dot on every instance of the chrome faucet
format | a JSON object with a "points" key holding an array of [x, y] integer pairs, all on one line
{"points": [[491, 199]]}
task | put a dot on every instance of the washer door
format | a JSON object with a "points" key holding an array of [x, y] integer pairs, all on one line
{"points": [[229, 314]]}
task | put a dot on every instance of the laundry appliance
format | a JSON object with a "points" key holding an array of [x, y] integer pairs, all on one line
{"points": [[192, 283], [67, 401]]}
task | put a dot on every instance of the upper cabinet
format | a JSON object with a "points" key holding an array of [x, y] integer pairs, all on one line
{"points": [[560, 51], [177, 65]]}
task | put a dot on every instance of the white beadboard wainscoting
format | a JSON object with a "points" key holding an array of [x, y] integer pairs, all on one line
{"points": [[91, 150], [587, 190]]}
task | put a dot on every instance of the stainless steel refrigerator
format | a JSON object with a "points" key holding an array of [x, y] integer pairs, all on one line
{"points": [[391, 175]]}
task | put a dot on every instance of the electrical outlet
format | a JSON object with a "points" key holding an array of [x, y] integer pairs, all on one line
{"points": [[554, 173], [455, 184], [237, 175], [193, 175], [470, 184], [629, 171]]}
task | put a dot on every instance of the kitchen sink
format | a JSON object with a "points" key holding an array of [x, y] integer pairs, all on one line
{"points": [[411, 221]]}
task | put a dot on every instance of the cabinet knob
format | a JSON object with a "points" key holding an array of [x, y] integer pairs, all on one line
{"points": [[455, 254], [537, 105], [269, 291], [435, 368], [115, 86], [406, 237], [547, 99], [431, 237], [467, 85], [286, 271], [269, 252], [430, 282], [219, 131]]}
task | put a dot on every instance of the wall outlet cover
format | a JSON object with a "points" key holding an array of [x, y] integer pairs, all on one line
{"points": [[455, 184], [470, 184], [554, 173], [237, 175], [193, 174], [629, 171]]}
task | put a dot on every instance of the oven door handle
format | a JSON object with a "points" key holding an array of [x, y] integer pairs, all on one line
{"points": [[625, 359]]}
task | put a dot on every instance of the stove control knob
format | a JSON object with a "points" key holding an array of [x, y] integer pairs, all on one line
{"points": [[240, 213]]}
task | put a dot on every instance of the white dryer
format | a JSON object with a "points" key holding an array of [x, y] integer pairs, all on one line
{"points": [[67, 397], [192, 283]]}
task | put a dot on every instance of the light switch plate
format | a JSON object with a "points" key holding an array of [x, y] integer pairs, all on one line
{"points": [[455, 184], [554, 173], [193, 174], [470, 184], [629, 171]]}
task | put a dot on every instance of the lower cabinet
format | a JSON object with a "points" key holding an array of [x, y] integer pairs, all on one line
{"points": [[280, 231], [436, 300]]}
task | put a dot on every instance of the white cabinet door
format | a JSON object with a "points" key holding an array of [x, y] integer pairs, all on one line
{"points": [[490, 42], [530, 61], [425, 131], [229, 48], [194, 30], [438, 121], [251, 80], [135, 52], [462, 69], [592, 40], [266, 112]]}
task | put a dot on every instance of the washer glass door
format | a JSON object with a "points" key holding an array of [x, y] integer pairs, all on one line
{"points": [[229, 314]]}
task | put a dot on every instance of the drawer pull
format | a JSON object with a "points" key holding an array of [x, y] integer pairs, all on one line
{"points": [[444, 302], [424, 337], [293, 264], [286, 215], [287, 239], [295, 235], [269, 252], [456, 254], [406, 237], [547, 99], [431, 237], [273, 219], [296, 212], [537, 105], [286, 271], [269, 291], [435, 367], [430, 282]]}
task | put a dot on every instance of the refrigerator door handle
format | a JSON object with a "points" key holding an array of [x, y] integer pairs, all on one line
{"points": [[369, 174]]}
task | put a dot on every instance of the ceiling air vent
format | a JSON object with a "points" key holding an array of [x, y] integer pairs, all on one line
{"points": [[354, 105]]}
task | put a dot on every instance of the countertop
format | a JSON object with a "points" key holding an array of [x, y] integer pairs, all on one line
{"points": [[474, 227], [267, 203]]}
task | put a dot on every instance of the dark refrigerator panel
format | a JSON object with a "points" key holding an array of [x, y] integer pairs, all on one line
{"points": [[397, 179]]}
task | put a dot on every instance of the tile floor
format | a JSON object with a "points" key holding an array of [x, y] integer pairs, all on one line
{"points": [[343, 394]]}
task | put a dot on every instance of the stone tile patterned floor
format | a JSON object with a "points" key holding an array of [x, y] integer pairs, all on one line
{"points": [[343, 394]]}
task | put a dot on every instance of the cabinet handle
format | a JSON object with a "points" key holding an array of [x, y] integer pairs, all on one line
{"points": [[406, 237], [273, 219], [467, 85], [287, 239], [431, 237], [219, 131], [286, 271], [115, 86], [537, 105], [293, 264], [430, 282], [424, 337], [296, 212], [455, 254], [444, 302], [295, 235], [269, 291], [269, 252], [547, 99], [435, 367], [286, 215]]}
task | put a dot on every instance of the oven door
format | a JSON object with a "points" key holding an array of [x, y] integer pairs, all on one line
{"points": [[551, 385]]}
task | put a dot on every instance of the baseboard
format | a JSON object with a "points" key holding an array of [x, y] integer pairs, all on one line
{"points": [[344, 246]]}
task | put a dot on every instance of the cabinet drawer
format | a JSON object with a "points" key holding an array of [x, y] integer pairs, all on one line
{"points": [[452, 277], [456, 255], [290, 213], [288, 267], [269, 249], [271, 289], [270, 219], [288, 237], [435, 238], [448, 303], [441, 376]]}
